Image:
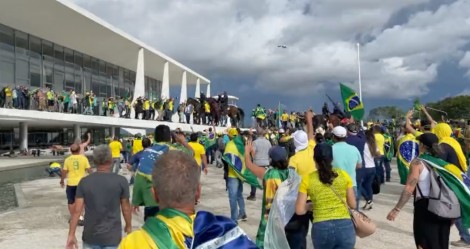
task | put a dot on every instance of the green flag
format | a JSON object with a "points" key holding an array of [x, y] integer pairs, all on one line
{"points": [[352, 102], [455, 180], [417, 105]]}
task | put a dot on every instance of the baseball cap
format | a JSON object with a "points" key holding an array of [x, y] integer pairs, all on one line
{"points": [[232, 132], [300, 140], [352, 128], [339, 131], [277, 153], [281, 130]]}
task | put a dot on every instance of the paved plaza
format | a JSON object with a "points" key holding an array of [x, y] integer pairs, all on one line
{"points": [[41, 219]]}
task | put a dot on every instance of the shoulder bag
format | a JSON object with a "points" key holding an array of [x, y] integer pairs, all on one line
{"points": [[363, 225]]}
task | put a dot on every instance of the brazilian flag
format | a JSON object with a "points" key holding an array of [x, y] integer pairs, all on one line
{"points": [[408, 149], [234, 156], [456, 180], [352, 102]]}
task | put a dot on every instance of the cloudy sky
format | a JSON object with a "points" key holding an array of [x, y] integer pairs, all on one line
{"points": [[409, 48]]}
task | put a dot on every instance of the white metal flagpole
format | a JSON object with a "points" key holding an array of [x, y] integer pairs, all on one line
{"points": [[359, 75]]}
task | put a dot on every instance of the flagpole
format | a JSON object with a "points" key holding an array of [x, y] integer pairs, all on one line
{"points": [[359, 75]]}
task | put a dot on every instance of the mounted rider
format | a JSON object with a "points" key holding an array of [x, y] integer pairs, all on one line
{"points": [[260, 114]]}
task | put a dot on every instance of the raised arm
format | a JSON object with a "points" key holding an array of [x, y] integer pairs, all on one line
{"points": [[310, 132], [408, 125], [257, 170], [430, 119], [87, 142]]}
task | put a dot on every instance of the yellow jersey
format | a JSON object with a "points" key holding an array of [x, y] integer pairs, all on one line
{"points": [[198, 151], [55, 165], [116, 148], [76, 167], [302, 161], [326, 204], [285, 117], [293, 117], [380, 141], [8, 92], [137, 146], [50, 95], [207, 107]]}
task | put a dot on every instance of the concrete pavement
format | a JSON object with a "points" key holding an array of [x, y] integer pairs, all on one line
{"points": [[42, 220]]}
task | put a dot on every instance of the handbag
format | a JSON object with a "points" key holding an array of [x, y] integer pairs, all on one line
{"points": [[363, 225]]}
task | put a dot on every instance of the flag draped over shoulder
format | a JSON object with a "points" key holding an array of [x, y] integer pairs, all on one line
{"points": [[208, 143], [352, 102], [234, 156], [408, 149], [455, 180], [282, 210]]}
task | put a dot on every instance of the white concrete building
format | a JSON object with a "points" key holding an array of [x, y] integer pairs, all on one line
{"points": [[56, 44]]}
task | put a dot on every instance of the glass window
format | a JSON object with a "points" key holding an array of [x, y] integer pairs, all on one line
{"points": [[22, 58], [48, 63], [35, 60], [68, 55], [59, 73], [78, 61], [7, 56]]}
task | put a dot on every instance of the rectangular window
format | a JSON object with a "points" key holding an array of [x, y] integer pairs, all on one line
{"points": [[59, 72], [7, 55], [22, 58], [35, 59]]}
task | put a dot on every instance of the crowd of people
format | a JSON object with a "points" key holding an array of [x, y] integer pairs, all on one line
{"points": [[160, 109], [330, 172]]}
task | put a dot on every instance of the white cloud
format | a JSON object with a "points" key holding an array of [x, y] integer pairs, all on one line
{"points": [[240, 38], [465, 62]]}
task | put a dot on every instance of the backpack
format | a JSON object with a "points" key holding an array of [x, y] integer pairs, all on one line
{"points": [[442, 200]]}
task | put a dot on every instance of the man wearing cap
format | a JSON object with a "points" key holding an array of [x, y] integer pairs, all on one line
{"points": [[302, 162], [345, 156]]}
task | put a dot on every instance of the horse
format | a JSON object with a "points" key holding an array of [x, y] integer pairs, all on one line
{"points": [[215, 110], [197, 109], [236, 116]]}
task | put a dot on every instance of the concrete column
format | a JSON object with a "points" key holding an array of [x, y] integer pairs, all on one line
{"points": [[165, 82], [197, 94], [208, 90], [23, 136], [77, 133], [139, 88], [184, 88], [112, 132]]}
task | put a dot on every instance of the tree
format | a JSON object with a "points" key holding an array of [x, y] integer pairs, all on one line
{"points": [[385, 112], [456, 107]]}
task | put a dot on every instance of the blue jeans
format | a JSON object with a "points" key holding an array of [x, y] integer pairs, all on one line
{"points": [[334, 234], [88, 246], [379, 165], [357, 193], [388, 169], [235, 196], [116, 164], [368, 175]]}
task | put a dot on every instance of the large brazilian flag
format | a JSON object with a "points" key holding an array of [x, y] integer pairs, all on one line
{"points": [[408, 149], [456, 180], [352, 102], [234, 156]]}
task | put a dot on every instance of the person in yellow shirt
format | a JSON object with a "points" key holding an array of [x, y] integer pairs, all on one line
{"points": [[302, 162], [116, 149], [293, 120], [332, 194], [207, 112], [379, 162], [75, 168], [284, 119], [137, 144], [54, 169], [8, 97], [199, 152]]}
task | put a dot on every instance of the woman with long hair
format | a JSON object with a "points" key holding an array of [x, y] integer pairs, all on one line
{"points": [[329, 189], [272, 177], [429, 230], [368, 172]]}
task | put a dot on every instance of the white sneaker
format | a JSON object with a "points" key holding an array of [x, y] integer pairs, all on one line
{"points": [[460, 243], [368, 205]]}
